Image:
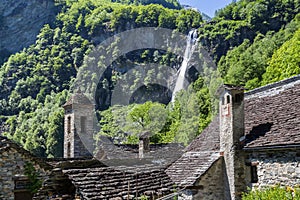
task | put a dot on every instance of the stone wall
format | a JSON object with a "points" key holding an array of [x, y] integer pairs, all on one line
{"points": [[77, 139], [276, 167], [231, 130], [84, 129], [11, 168], [211, 185]]}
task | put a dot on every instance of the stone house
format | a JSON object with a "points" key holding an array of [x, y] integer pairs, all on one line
{"points": [[119, 172], [13, 179], [254, 142]]}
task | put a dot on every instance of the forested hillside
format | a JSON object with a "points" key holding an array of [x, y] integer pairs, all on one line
{"points": [[252, 42]]}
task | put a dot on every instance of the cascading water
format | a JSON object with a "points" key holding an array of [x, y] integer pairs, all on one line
{"points": [[181, 80]]}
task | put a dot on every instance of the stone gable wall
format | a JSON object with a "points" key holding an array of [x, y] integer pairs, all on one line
{"points": [[276, 167], [211, 183], [11, 166], [209, 187], [81, 143]]}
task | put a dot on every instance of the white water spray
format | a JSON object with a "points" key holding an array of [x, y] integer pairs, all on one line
{"points": [[181, 80]]}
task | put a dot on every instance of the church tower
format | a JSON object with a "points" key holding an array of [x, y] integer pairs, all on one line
{"points": [[78, 126], [231, 132]]}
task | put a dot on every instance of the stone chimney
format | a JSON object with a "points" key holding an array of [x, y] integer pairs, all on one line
{"points": [[231, 131], [144, 144]]}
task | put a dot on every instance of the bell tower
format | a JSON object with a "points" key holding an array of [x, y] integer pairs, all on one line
{"points": [[78, 126], [231, 131]]}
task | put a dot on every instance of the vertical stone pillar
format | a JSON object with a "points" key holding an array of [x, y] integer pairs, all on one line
{"points": [[144, 144], [231, 130], [78, 126]]}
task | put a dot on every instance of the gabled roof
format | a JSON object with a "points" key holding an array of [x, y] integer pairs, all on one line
{"points": [[77, 98], [272, 119], [7, 144], [124, 183], [272, 115], [198, 158], [162, 154]]}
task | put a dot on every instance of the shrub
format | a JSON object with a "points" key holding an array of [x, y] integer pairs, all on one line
{"points": [[273, 193]]}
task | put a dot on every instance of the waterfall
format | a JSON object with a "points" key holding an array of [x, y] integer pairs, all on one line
{"points": [[181, 80]]}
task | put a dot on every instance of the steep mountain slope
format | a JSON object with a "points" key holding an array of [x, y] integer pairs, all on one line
{"points": [[21, 21], [247, 39], [34, 82]]}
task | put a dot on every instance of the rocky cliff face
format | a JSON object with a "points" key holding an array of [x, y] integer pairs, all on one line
{"points": [[20, 23]]}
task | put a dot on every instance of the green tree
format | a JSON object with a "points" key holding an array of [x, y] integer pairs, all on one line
{"points": [[147, 117], [285, 62]]}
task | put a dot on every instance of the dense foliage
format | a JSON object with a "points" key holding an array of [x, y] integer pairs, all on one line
{"points": [[285, 61], [173, 4], [277, 192], [180, 122], [34, 82], [252, 64], [252, 42]]}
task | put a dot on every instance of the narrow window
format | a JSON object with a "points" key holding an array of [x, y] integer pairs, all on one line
{"points": [[223, 100], [238, 98], [21, 191], [228, 99], [254, 177], [83, 124], [69, 150], [69, 125]]}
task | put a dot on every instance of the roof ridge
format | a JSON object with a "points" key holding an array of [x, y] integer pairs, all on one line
{"points": [[13, 144], [277, 84]]}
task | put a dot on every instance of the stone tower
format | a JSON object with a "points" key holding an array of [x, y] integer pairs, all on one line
{"points": [[78, 126], [231, 132]]}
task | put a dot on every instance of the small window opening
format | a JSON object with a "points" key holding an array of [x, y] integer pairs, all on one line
{"points": [[238, 98], [228, 99], [69, 150], [21, 187], [22, 184], [69, 125], [254, 177], [83, 124]]}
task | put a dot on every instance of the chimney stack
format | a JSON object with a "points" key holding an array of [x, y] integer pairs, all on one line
{"points": [[144, 144], [231, 130]]}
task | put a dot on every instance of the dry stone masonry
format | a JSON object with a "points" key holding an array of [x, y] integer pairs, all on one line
{"points": [[12, 172]]}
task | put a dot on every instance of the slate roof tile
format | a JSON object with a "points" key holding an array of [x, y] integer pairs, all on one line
{"points": [[272, 115], [78, 98], [162, 154], [111, 182], [198, 158], [7, 144]]}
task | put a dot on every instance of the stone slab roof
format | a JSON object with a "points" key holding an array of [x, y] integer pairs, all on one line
{"points": [[272, 115], [77, 98], [56, 186], [209, 139], [191, 166], [198, 158], [120, 183], [7, 144], [158, 153]]}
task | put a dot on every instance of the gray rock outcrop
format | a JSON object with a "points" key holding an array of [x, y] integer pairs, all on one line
{"points": [[20, 23]]}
